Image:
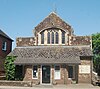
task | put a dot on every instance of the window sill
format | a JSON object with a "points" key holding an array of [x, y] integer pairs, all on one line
{"points": [[4, 50], [56, 79], [34, 78]]}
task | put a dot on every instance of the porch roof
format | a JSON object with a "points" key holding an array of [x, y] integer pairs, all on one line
{"points": [[70, 60], [50, 54]]}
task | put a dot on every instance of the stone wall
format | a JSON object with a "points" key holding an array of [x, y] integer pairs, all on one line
{"points": [[53, 21], [28, 75], [27, 41], [69, 40], [37, 81], [63, 71], [85, 77], [62, 76], [81, 40], [16, 83], [79, 77]]}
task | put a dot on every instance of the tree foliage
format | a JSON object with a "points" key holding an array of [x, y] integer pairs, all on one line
{"points": [[96, 51], [10, 67]]}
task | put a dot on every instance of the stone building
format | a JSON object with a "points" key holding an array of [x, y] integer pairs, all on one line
{"points": [[5, 49], [55, 55]]}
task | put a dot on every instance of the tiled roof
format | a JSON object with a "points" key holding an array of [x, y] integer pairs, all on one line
{"points": [[4, 35], [50, 54]]}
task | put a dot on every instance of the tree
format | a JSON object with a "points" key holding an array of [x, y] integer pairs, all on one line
{"points": [[96, 51]]}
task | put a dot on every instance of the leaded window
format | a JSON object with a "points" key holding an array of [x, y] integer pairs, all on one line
{"points": [[48, 38], [63, 37], [56, 38], [52, 37], [42, 37]]}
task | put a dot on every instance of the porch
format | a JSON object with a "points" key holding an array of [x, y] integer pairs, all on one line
{"points": [[50, 74]]}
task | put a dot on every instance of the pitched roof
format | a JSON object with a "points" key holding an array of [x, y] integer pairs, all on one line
{"points": [[49, 54], [4, 35]]}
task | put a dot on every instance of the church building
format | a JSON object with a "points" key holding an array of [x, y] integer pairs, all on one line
{"points": [[55, 55]]}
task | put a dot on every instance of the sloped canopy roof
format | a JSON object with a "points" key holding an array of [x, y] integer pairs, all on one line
{"points": [[49, 54], [53, 21], [4, 35]]}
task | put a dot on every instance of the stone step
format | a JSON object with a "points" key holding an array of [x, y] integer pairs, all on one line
{"points": [[2, 77]]}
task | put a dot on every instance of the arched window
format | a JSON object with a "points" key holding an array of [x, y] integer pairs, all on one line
{"points": [[48, 38], [63, 37], [52, 37], [42, 37], [57, 39]]}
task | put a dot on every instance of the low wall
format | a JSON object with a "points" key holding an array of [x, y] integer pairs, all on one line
{"points": [[15, 83]]}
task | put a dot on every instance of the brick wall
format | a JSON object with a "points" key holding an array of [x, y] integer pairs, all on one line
{"points": [[3, 53], [9, 46], [1, 65]]}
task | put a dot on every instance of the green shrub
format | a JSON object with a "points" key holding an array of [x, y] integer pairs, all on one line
{"points": [[10, 67]]}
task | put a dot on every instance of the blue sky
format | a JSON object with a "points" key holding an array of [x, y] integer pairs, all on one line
{"points": [[19, 17]]}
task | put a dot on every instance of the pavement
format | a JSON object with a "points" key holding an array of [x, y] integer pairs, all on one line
{"points": [[71, 86]]}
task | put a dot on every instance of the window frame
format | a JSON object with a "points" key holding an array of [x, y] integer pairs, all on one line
{"points": [[33, 72], [4, 46]]}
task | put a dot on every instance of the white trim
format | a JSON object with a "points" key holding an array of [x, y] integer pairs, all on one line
{"points": [[84, 69], [53, 46], [59, 71], [50, 74], [37, 71], [4, 46]]}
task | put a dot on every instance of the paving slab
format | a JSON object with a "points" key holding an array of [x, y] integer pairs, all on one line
{"points": [[71, 86]]}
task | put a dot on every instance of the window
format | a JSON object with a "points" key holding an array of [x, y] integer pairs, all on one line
{"points": [[4, 46], [56, 37], [63, 37], [35, 71], [48, 37], [42, 38], [57, 72], [52, 37], [70, 72]]}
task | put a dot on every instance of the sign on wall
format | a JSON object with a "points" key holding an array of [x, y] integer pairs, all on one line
{"points": [[84, 68]]}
